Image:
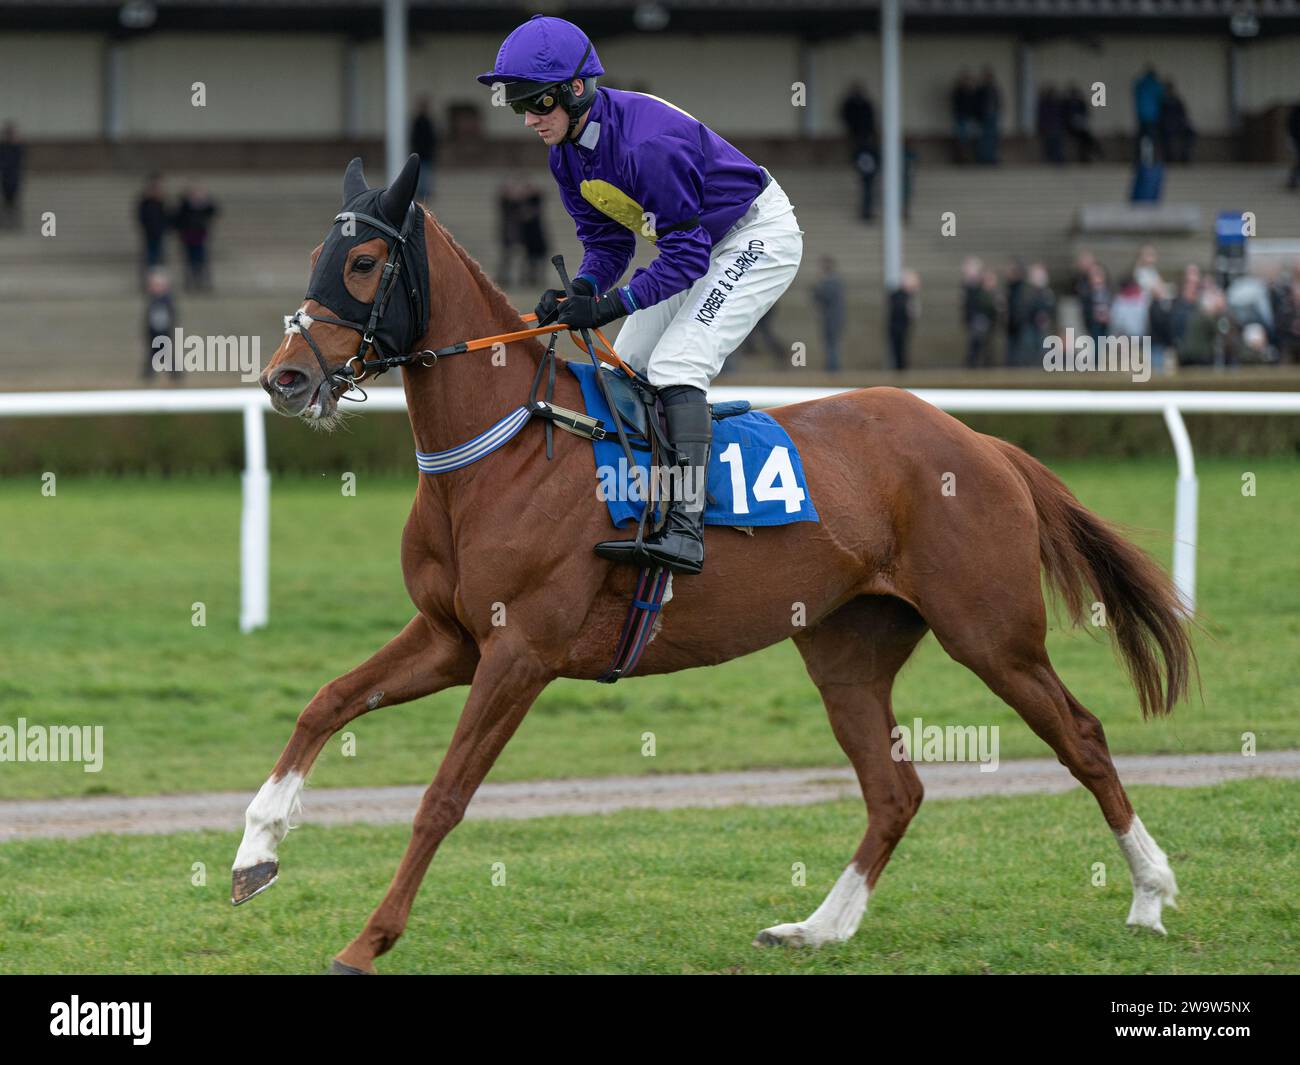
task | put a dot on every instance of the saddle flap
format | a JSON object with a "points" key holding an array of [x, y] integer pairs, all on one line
{"points": [[631, 403]]}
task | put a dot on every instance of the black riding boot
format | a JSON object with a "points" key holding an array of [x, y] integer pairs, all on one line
{"points": [[679, 545]]}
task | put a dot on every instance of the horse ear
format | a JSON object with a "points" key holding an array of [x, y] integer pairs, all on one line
{"points": [[354, 181], [398, 196]]}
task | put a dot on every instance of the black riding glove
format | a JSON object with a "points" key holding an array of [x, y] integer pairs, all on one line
{"points": [[591, 312], [550, 301]]}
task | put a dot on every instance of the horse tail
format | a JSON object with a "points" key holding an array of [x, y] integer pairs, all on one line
{"points": [[1081, 551]]}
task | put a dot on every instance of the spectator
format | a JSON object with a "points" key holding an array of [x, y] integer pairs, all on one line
{"points": [[1293, 134], [1096, 303], [1077, 118], [193, 222], [859, 118], [521, 230], [1148, 96], [1130, 310], [904, 307], [982, 321], [1176, 133], [1039, 311], [1253, 346], [1015, 311], [510, 235], [1051, 125], [828, 295], [1204, 341], [972, 277], [151, 212], [965, 116], [424, 143], [1145, 272], [11, 178], [1183, 308], [990, 115], [1248, 301], [1160, 325], [532, 232], [159, 325], [1288, 324], [1081, 282]]}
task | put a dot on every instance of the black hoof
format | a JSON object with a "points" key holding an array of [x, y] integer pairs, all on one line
{"points": [[338, 968], [245, 883]]}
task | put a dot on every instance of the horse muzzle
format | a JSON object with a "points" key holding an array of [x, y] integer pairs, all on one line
{"points": [[298, 393]]}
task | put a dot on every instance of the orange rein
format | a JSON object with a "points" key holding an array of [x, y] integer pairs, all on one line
{"points": [[611, 359]]}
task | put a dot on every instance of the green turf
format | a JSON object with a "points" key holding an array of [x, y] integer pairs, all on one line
{"points": [[98, 583], [977, 886]]}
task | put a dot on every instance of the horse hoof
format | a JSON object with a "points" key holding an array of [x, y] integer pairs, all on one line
{"points": [[782, 935], [339, 968], [245, 883]]}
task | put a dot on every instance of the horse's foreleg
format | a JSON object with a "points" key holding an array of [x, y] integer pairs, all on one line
{"points": [[417, 662], [852, 657], [506, 682]]}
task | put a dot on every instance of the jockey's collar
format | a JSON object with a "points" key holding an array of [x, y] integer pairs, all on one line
{"points": [[590, 135]]}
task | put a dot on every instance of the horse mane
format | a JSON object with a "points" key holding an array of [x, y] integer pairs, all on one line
{"points": [[497, 300]]}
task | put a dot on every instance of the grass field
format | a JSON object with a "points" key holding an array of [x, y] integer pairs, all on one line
{"points": [[99, 581], [977, 886]]}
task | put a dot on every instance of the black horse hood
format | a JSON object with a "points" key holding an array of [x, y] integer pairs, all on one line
{"points": [[404, 313]]}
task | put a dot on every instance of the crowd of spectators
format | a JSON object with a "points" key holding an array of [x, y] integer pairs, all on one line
{"points": [[190, 218], [1192, 319]]}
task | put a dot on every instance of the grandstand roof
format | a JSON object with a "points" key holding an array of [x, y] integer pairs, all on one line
{"points": [[683, 15]]}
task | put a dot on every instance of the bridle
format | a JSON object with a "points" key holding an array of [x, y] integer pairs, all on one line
{"points": [[356, 369], [401, 250]]}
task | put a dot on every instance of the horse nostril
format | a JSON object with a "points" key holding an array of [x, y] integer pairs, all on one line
{"points": [[286, 382]]}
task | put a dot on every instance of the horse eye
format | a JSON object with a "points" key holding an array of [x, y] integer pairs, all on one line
{"points": [[364, 264]]}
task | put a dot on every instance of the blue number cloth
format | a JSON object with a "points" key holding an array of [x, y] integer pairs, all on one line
{"points": [[755, 475]]}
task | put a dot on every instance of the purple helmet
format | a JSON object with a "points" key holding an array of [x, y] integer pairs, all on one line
{"points": [[545, 50]]}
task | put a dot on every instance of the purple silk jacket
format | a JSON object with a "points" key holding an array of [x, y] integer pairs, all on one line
{"points": [[642, 165]]}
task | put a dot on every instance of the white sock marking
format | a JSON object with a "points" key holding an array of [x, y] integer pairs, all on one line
{"points": [[1153, 880], [267, 820]]}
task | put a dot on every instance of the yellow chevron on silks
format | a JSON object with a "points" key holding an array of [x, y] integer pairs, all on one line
{"points": [[668, 102], [615, 203]]}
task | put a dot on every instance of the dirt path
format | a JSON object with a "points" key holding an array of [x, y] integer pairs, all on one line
{"points": [[67, 818]]}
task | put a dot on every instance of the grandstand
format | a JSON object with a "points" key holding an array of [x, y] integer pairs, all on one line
{"points": [[80, 320], [100, 94]]}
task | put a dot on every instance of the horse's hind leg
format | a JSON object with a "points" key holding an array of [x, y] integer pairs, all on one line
{"points": [[1003, 645], [853, 657], [416, 662], [1035, 692]]}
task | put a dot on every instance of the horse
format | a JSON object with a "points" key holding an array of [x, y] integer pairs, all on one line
{"points": [[925, 526]]}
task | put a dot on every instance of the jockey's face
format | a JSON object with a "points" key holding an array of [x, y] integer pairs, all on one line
{"points": [[553, 127]]}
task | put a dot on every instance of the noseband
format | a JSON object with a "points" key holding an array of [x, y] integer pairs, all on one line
{"points": [[350, 375]]}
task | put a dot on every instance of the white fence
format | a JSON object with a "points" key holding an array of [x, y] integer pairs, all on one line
{"points": [[255, 528]]}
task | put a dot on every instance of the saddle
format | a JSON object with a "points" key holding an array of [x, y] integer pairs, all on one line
{"points": [[637, 402]]}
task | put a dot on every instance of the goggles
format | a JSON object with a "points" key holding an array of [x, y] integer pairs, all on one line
{"points": [[541, 103]]}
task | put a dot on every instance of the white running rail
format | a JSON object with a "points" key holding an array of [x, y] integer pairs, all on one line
{"points": [[255, 528]]}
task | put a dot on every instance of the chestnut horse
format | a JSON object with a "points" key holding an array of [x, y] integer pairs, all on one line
{"points": [[926, 525]]}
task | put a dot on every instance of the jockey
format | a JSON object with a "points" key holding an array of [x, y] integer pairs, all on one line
{"points": [[727, 239]]}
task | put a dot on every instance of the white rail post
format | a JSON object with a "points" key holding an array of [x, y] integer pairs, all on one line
{"points": [[1184, 510], [255, 524]]}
